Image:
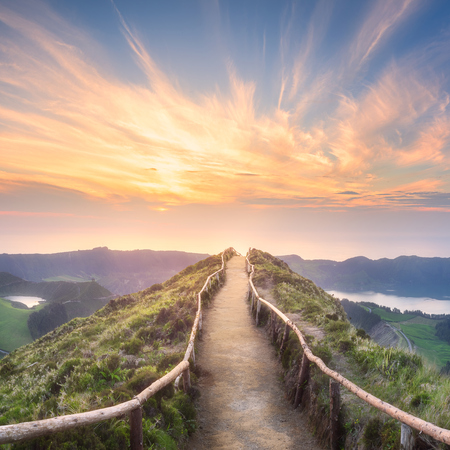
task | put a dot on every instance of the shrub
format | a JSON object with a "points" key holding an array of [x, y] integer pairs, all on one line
{"points": [[372, 434], [170, 360], [132, 346], [345, 345], [141, 379], [147, 334], [323, 352], [362, 334]]}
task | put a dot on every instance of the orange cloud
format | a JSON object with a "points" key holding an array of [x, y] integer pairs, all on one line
{"points": [[71, 126]]}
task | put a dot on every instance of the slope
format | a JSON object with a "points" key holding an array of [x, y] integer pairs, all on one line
{"points": [[398, 377], [108, 358]]}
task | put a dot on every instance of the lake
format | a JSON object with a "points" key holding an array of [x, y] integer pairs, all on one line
{"points": [[29, 301], [424, 304]]}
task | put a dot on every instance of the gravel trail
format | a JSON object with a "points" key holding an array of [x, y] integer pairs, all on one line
{"points": [[242, 403]]}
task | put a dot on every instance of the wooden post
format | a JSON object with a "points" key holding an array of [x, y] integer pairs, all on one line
{"points": [[272, 323], [335, 404], [193, 355], [200, 321], [258, 307], [303, 379], [251, 306], [285, 336], [186, 380], [136, 437], [407, 438]]}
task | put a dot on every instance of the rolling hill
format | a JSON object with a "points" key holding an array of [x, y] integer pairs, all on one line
{"points": [[121, 272], [410, 276]]}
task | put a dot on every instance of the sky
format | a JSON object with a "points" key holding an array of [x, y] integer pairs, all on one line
{"points": [[319, 128]]}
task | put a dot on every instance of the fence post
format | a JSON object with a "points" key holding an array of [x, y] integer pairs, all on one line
{"points": [[186, 380], [272, 317], [136, 437], [334, 414], [283, 342], [200, 321], [407, 438], [303, 379], [258, 307]]}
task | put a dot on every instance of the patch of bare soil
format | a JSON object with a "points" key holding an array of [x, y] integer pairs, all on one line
{"points": [[242, 403]]}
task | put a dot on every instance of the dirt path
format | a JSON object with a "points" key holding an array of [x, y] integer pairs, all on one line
{"points": [[242, 403]]}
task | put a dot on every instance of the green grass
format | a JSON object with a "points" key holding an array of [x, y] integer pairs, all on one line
{"points": [[13, 326], [429, 345], [391, 316]]}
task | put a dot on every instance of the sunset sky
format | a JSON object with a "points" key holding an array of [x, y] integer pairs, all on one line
{"points": [[320, 128]]}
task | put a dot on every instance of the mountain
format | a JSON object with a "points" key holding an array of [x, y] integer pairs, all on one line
{"points": [[121, 272], [410, 276]]}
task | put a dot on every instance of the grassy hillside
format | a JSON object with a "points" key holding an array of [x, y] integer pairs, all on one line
{"points": [[403, 379], [105, 359], [13, 326]]}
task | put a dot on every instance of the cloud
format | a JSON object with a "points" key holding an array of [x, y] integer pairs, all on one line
{"points": [[66, 123], [381, 20]]}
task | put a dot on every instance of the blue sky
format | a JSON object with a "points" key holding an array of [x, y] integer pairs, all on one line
{"points": [[317, 128]]}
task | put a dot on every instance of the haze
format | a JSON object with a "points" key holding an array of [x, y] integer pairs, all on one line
{"points": [[316, 128]]}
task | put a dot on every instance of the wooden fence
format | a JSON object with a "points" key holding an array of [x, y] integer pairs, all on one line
{"points": [[29, 430], [336, 379]]}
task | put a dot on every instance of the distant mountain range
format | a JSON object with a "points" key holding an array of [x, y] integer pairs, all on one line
{"points": [[121, 272], [410, 276]]}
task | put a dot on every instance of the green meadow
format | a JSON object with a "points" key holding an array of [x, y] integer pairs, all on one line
{"points": [[13, 326], [390, 316], [421, 331], [427, 343]]}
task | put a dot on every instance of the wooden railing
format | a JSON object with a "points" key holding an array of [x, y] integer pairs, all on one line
{"points": [[29, 430], [440, 434]]}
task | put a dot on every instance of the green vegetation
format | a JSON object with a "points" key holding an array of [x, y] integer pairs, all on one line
{"points": [[427, 335], [359, 315], [13, 325], [105, 359], [65, 301], [427, 342], [396, 376], [390, 316]]}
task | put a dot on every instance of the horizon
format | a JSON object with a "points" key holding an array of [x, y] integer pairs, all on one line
{"points": [[320, 129], [211, 254]]}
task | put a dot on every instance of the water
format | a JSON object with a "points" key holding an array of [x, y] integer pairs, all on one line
{"points": [[424, 304], [29, 301]]}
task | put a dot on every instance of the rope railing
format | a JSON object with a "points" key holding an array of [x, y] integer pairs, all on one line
{"points": [[438, 433], [30, 430]]}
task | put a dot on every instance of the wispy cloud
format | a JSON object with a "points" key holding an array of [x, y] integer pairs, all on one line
{"points": [[66, 123]]}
